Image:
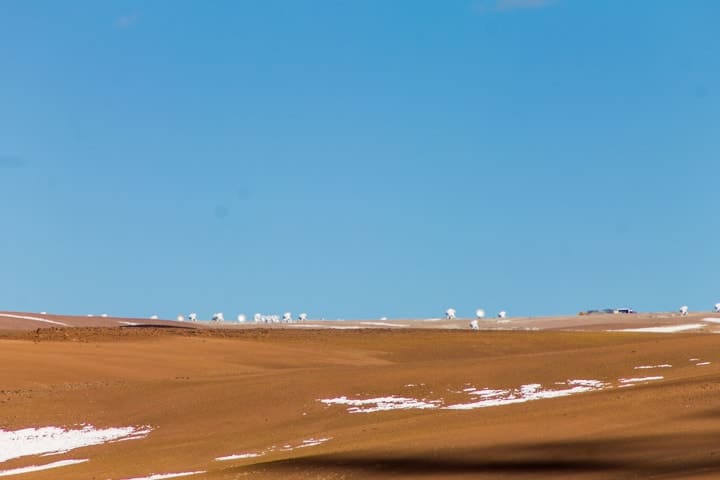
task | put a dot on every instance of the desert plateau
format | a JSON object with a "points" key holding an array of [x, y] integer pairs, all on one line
{"points": [[596, 397]]}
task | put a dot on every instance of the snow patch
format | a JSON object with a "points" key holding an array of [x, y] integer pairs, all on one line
{"points": [[38, 468], [380, 404], [239, 456], [305, 325], [702, 363], [526, 393], [34, 319], [162, 476], [666, 329], [313, 442], [644, 367], [54, 440], [641, 379], [383, 324], [485, 397]]}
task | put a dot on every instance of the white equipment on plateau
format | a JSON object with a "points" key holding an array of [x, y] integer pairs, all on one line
{"points": [[474, 325], [684, 310], [479, 313], [241, 318], [450, 314], [502, 314]]}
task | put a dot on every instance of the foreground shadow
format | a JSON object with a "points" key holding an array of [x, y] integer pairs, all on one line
{"points": [[671, 456]]}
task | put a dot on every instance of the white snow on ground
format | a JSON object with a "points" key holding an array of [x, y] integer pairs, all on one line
{"points": [[383, 324], [702, 363], [636, 380], [161, 476], [305, 325], [37, 468], [53, 440], [380, 404], [526, 393], [34, 319], [711, 320], [666, 329], [485, 392], [239, 456], [311, 442], [132, 324], [481, 398], [643, 367]]}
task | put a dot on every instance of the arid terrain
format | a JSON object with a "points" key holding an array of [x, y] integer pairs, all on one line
{"points": [[566, 397]]}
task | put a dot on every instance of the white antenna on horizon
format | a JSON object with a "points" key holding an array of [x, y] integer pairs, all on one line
{"points": [[241, 318], [474, 325], [450, 314], [479, 313], [502, 314], [684, 311]]}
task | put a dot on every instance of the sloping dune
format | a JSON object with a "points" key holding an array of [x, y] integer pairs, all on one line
{"points": [[529, 399]]}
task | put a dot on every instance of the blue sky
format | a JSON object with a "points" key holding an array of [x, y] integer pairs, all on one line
{"points": [[359, 158]]}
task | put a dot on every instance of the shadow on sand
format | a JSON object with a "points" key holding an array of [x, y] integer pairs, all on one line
{"points": [[674, 456]]}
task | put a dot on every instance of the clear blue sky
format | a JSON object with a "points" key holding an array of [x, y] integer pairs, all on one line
{"points": [[359, 158]]}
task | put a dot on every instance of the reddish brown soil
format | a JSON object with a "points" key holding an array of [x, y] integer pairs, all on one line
{"points": [[218, 392]]}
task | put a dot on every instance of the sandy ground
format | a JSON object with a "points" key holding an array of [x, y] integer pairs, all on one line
{"points": [[548, 398]]}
